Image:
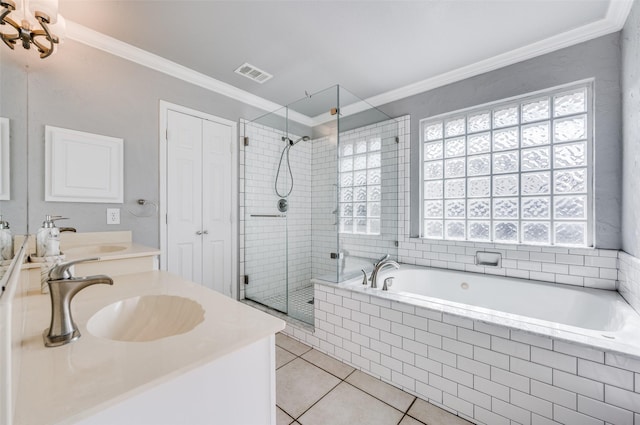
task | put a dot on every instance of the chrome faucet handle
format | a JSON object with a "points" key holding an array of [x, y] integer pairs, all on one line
{"points": [[61, 271], [387, 283], [364, 277]]}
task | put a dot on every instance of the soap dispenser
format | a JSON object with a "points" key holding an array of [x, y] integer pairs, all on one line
{"points": [[6, 241], [48, 237]]}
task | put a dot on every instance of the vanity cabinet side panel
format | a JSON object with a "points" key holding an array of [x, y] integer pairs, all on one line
{"points": [[215, 393]]}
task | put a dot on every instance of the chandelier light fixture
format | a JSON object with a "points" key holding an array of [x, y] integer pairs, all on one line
{"points": [[31, 22]]}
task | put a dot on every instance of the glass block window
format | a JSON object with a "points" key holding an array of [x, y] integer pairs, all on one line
{"points": [[360, 186], [515, 171]]}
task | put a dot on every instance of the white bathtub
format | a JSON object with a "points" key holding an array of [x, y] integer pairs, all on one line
{"points": [[588, 316]]}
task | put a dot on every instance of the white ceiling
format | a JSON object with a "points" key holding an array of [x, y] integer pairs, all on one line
{"points": [[372, 48]]}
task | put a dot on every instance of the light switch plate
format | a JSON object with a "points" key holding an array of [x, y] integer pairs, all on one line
{"points": [[113, 215]]}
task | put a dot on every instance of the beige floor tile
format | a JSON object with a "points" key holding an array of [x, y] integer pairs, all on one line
{"points": [[331, 365], [291, 345], [381, 390], [283, 357], [433, 415], [347, 405], [408, 420], [282, 418], [299, 384]]}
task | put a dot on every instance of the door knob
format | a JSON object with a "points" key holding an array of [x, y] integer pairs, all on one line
{"points": [[199, 232], [206, 232]]}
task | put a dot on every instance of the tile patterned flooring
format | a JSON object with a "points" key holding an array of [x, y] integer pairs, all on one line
{"points": [[315, 389], [300, 306]]}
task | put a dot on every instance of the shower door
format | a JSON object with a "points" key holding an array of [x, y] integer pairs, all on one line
{"points": [[289, 200], [265, 226]]}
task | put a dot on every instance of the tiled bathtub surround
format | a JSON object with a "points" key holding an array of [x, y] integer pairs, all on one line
{"points": [[629, 279], [483, 372], [591, 268]]}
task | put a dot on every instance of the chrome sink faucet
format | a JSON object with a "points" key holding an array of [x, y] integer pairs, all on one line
{"points": [[62, 288], [377, 268]]}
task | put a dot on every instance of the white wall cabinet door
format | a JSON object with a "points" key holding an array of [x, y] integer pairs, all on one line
{"points": [[199, 200]]}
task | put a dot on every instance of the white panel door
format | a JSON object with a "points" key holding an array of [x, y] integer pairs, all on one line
{"points": [[216, 206], [199, 200], [184, 196]]}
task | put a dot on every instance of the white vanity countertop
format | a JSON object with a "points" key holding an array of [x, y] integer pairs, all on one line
{"points": [[109, 251], [104, 252], [67, 383]]}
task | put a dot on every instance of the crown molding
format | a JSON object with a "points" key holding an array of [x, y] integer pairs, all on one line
{"points": [[142, 57], [618, 12], [614, 20]]}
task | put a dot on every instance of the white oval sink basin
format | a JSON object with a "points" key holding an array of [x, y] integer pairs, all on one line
{"points": [[146, 318], [95, 249]]}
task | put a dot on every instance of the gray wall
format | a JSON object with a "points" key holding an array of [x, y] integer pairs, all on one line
{"points": [[599, 58], [13, 105], [631, 133], [88, 90], [85, 89]]}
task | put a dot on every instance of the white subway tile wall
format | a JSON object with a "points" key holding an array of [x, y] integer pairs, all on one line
{"points": [[629, 279], [323, 221], [357, 249]]}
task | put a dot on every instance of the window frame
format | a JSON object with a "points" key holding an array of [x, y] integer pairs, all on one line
{"points": [[465, 113]]}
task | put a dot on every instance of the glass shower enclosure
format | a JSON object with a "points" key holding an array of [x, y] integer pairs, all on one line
{"points": [[319, 201]]}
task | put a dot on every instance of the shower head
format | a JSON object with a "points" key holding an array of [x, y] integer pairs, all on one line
{"points": [[301, 139]]}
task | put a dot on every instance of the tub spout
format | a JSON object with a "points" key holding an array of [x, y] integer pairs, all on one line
{"points": [[378, 268], [62, 288]]}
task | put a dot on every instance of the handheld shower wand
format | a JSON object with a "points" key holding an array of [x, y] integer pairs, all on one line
{"points": [[287, 147]]}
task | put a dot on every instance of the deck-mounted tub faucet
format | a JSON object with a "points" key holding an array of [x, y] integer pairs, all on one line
{"points": [[384, 262], [62, 288]]}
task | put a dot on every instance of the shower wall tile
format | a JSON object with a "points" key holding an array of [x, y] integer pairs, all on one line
{"points": [[323, 221], [358, 250], [629, 279]]}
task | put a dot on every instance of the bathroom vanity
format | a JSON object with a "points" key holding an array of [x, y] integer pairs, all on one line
{"points": [[189, 355], [116, 251]]}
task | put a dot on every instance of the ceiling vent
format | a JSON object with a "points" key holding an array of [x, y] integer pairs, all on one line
{"points": [[253, 73]]}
